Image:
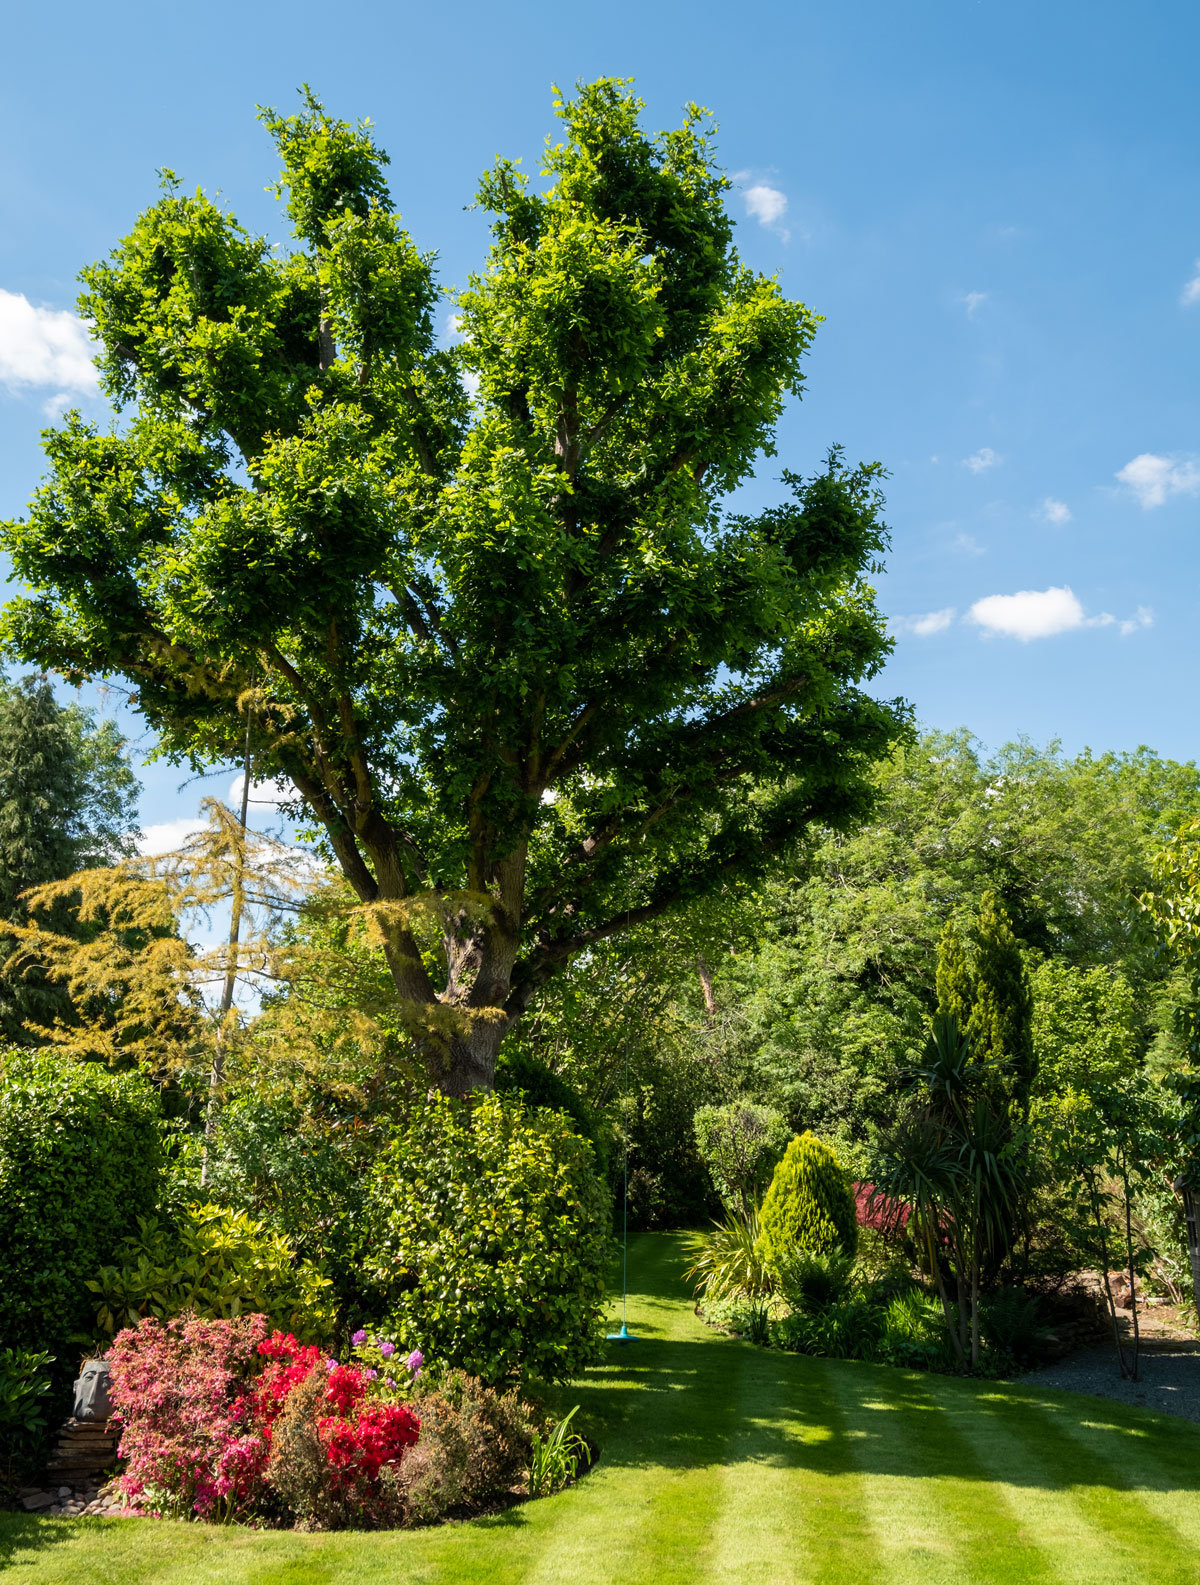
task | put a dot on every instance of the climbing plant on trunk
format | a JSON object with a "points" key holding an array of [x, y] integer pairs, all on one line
{"points": [[482, 604]]}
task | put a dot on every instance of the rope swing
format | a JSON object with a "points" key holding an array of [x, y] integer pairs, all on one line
{"points": [[624, 1335]]}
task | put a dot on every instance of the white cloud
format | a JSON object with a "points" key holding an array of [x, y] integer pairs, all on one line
{"points": [[1041, 613], [44, 347], [974, 300], [926, 625], [271, 793], [1152, 479], [980, 461], [969, 545], [1052, 511], [764, 203], [167, 836], [1191, 292], [1142, 617], [1032, 613]]}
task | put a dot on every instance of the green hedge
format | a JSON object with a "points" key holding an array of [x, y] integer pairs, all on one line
{"points": [[488, 1237], [79, 1163]]}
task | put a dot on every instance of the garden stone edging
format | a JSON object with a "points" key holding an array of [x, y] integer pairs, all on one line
{"points": [[85, 1499]]}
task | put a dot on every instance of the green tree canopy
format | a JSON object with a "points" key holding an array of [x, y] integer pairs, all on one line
{"points": [[531, 680], [826, 992], [1087, 1034]]}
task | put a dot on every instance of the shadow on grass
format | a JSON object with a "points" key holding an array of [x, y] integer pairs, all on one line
{"points": [[29, 1532], [669, 1404], [697, 1401]]}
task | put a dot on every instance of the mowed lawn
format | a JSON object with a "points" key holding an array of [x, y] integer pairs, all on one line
{"points": [[722, 1462]]}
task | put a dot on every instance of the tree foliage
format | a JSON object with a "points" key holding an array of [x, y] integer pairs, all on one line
{"points": [[531, 682], [137, 985], [1087, 1032], [986, 991], [825, 990], [740, 1144], [67, 801]]}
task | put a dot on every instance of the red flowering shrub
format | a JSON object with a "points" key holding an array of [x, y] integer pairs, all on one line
{"points": [[378, 1435], [199, 1409]]}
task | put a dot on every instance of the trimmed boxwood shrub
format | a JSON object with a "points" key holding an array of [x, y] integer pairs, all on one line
{"points": [[810, 1204], [79, 1163], [488, 1237]]}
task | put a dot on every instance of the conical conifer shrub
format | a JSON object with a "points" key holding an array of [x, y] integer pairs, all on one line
{"points": [[809, 1205]]}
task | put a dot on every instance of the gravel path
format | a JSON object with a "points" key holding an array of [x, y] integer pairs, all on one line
{"points": [[1170, 1378]]}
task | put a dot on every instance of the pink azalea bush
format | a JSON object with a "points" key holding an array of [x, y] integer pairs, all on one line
{"points": [[199, 1401], [179, 1390]]}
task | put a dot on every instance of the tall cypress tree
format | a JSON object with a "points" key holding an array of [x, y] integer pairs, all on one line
{"points": [[987, 990], [66, 802], [955, 977], [1001, 1022]]}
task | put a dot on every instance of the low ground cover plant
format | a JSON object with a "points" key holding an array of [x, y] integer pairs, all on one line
{"points": [[555, 1457]]}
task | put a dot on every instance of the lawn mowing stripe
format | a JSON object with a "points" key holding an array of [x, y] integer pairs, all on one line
{"points": [[1048, 1513], [1165, 1485], [1095, 1483], [934, 1514], [649, 1509], [665, 1488], [791, 1512]]}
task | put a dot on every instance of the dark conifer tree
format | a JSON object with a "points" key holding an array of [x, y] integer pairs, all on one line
{"points": [[67, 797], [987, 992]]}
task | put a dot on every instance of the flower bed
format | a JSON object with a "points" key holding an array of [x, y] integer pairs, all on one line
{"points": [[224, 1419]]}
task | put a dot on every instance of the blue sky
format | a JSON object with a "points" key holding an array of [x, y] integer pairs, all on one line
{"points": [[996, 209]]}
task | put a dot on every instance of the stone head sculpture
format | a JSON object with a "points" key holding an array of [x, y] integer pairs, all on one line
{"points": [[91, 1391]]}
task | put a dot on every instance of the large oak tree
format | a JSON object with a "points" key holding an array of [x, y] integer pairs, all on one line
{"points": [[480, 604]]}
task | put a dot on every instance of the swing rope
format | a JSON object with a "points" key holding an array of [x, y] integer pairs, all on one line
{"points": [[624, 1335]]}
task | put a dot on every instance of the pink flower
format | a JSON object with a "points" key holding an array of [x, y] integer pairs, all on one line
{"points": [[414, 1362]]}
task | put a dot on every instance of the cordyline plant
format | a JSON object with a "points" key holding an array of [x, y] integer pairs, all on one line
{"points": [[528, 679], [953, 1159]]}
